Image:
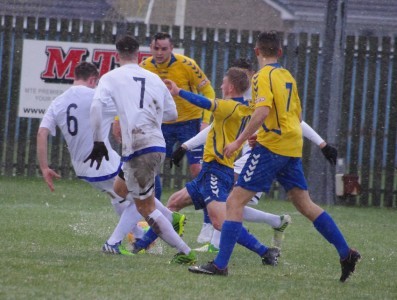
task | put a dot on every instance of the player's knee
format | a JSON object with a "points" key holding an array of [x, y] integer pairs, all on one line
{"points": [[120, 188], [174, 204], [217, 222], [195, 169], [178, 200]]}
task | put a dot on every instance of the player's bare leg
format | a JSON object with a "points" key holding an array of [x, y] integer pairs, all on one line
{"points": [[194, 170], [179, 200]]}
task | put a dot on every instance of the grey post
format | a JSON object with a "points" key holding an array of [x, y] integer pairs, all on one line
{"points": [[322, 174]]}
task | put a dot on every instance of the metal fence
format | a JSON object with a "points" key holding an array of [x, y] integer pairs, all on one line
{"points": [[367, 140]]}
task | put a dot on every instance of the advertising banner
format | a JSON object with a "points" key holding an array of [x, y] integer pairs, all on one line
{"points": [[48, 70]]}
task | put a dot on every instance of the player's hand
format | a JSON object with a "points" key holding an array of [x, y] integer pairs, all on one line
{"points": [[330, 154], [172, 87], [252, 140], [177, 156], [97, 154], [48, 175], [231, 148]]}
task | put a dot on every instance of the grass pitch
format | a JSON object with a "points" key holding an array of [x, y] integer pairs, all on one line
{"points": [[51, 249]]}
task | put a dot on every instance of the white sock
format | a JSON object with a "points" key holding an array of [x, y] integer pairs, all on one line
{"points": [[256, 198], [216, 238], [119, 204], [163, 209], [167, 232], [138, 232], [257, 216], [128, 220]]}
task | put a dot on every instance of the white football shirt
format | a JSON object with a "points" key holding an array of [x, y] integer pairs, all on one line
{"points": [[70, 111], [143, 102]]}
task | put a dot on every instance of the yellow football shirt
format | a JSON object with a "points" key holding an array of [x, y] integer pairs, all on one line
{"points": [[230, 119], [187, 75], [281, 132]]}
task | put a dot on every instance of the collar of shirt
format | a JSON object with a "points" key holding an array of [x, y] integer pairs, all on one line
{"points": [[276, 65], [240, 100], [165, 64]]}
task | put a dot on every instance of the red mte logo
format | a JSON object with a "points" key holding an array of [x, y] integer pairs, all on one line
{"points": [[60, 65]]}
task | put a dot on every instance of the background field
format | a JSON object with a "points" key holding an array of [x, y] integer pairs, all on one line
{"points": [[51, 249]]}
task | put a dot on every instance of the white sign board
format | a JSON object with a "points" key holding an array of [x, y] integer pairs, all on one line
{"points": [[48, 70]]}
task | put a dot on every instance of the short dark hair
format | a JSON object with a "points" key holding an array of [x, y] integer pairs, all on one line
{"points": [[162, 36], [268, 43], [239, 78], [85, 70], [243, 63], [127, 45]]}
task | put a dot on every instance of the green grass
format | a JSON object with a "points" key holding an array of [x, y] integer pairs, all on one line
{"points": [[51, 249]]}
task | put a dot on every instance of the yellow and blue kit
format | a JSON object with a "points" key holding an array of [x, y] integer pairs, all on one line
{"points": [[187, 75], [216, 177], [281, 132], [277, 155]]}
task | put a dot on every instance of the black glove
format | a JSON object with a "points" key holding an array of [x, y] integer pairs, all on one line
{"points": [[98, 152], [330, 154], [177, 156]]}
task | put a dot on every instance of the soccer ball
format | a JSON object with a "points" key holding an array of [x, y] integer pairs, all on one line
{"points": [[155, 248], [144, 225]]}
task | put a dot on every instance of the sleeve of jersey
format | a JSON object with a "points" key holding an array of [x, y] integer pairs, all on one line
{"points": [[170, 113], [102, 94], [197, 100], [310, 134], [209, 93], [101, 99], [198, 140], [199, 78], [49, 121], [261, 91]]}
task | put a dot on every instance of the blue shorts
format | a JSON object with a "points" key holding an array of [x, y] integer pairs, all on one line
{"points": [[264, 166], [214, 182], [180, 132]]}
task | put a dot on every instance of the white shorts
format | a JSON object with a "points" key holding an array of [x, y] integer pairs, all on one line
{"points": [[139, 173], [239, 164], [105, 186]]}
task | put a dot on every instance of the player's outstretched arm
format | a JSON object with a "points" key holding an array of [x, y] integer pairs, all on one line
{"points": [[209, 93], [195, 99], [329, 152], [196, 141]]}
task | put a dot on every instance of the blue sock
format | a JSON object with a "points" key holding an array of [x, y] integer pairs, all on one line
{"points": [[229, 235], [148, 238], [330, 231], [250, 242], [206, 216], [157, 187]]}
